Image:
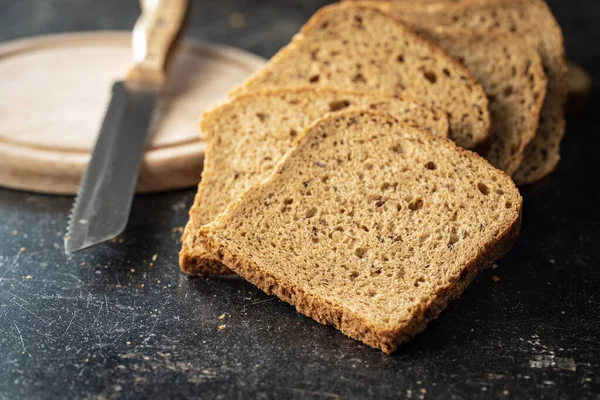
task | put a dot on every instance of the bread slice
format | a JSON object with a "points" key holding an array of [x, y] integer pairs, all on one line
{"points": [[531, 20], [513, 78], [369, 225], [362, 48], [249, 134]]}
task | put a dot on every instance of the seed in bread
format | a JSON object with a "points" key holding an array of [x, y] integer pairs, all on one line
{"points": [[362, 48], [249, 134], [369, 225]]}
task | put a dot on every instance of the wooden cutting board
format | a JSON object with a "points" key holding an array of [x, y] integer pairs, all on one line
{"points": [[54, 93]]}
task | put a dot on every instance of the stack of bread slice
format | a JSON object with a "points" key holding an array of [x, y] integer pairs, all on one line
{"points": [[342, 177], [531, 23]]}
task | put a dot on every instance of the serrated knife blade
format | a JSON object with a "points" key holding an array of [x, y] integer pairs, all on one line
{"points": [[101, 208]]}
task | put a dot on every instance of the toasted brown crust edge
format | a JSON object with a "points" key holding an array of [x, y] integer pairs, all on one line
{"points": [[326, 312]]}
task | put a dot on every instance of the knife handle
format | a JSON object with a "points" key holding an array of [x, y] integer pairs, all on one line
{"points": [[155, 35]]}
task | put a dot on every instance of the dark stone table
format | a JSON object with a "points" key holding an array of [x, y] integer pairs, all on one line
{"points": [[120, 321]]}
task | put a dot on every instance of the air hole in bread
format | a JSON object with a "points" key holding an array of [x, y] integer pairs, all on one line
{"points": [[360, 252], [415, 204], [419, 281], [262, 117], [310, 213], [314, 79], [508, 204], [359, 78], [508, 91], [338, 105], [430, 76], [400, 58], [430, 165], [397, 149], [483, 188], [359, 22], [293, 133]]}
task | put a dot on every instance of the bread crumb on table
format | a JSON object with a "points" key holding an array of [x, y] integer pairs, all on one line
{"points": [[222, 317], [221, 327], [495, 278], [237, 20], [154, 257]]}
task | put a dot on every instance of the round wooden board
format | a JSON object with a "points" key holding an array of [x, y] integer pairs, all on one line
{"points": [[55, 90]]}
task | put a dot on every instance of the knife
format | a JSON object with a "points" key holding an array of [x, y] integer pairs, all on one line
{"points": [[102, 205]]}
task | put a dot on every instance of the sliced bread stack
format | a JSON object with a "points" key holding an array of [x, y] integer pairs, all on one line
{"points": [[529, 21], [328, 179], [513, 78]]}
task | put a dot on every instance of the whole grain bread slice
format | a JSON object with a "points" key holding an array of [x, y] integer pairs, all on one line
{"points": [[513, 78], [248, 135], [532, 20], [348, 46], [369, 225]]}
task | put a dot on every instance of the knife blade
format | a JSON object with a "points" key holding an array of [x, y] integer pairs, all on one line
{"points": [[101, 208]]}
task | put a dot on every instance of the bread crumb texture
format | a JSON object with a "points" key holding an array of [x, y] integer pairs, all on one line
{"points": [[359, 47], [247, 136]]}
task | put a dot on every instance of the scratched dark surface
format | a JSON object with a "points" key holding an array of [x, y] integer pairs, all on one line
{"points": [[112, 323]]}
